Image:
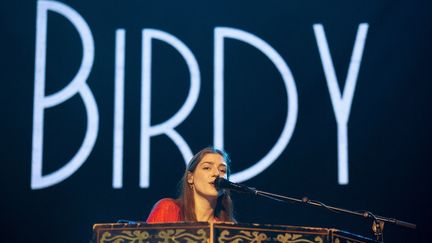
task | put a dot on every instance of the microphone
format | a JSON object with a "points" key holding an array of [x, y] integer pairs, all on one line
{"points": [[222, 183]]}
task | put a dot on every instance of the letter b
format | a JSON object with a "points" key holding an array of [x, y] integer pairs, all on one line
{"points": [[77, 85]]}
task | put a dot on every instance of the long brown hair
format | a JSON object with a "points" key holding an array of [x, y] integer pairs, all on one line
{"points": [[224, 205]]}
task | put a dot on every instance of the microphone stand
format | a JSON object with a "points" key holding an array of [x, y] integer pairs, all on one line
{"points": [[378, 221]]}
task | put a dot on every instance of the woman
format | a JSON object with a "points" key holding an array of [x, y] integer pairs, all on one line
{"points": [[199, 199]]}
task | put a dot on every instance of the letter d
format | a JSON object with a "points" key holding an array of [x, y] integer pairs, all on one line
{"points": [[77, 85]]}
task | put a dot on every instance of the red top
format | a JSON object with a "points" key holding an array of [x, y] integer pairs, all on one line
{"points": [[164, 211]]}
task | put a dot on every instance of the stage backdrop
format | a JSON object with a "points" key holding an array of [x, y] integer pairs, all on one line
{"points": [[104, 102]]}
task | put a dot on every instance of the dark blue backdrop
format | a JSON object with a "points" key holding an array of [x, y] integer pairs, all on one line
{"points": [[389, 126]]}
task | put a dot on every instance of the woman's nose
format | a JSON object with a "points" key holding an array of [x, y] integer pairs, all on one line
{"points": [[216, 172]]}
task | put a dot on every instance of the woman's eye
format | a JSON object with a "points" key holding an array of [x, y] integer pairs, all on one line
{"points": [[206, 168]]}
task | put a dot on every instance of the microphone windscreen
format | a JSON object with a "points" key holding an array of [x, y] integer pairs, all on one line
{"points": [[220, 183]]}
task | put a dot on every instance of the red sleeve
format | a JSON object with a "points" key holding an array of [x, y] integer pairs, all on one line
{"points": [[164, 211]]}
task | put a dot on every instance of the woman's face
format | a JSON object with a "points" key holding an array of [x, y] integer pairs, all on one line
{"points": [[208, 169]]}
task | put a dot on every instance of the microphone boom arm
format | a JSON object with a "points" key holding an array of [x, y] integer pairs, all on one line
{"points": [[378, 221]]}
